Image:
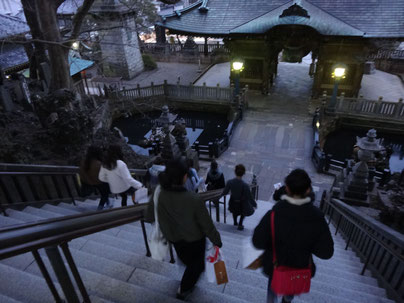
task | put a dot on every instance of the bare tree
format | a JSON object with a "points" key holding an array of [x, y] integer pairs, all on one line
{"points": [[41, 16], [42, 20]]}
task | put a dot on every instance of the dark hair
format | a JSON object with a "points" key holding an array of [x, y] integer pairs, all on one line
{"points": [[239, 170], [158, 161], [93, 153], [213, 165], [114, 153], [173, 174], [298, 181], [190, 163]]}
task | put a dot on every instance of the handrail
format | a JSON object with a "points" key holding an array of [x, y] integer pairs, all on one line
{"points": [[27, 237], [342, 212], [381, 251], [51, 233], [22, 238], [11, 167]]}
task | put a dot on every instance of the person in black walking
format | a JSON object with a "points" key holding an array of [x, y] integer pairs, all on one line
{"points": [[241, 201], [89, 169], [215, 178], [185, 222], [300, 231]]}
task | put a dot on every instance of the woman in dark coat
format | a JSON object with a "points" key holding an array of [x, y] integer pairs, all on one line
{"points": [[241, 201], [300, 231], [215, 178], [89, 169]]}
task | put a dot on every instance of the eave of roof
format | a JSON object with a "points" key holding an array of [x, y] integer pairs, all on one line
{"points": [[321, 21], [359, 18]]}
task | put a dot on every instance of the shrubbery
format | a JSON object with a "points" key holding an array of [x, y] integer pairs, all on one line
{"points": [[149, 63]]}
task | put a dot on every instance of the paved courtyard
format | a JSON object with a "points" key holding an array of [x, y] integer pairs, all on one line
{"points": [[275, 135]]}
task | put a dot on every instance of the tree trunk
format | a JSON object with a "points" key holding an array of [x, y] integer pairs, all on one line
{"points": [[58, 52], [38, 54]]}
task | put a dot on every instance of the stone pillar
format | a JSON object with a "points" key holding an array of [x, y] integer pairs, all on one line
{"points": [[119, 44]]}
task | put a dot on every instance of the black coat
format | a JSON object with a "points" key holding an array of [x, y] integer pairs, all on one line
{"points": [[240, 192], [215, 180], [300, 231]]}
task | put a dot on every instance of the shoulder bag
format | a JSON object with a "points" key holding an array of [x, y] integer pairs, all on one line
{"points": [[287, 280]]}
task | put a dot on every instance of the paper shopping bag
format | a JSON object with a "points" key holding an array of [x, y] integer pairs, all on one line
{"points": [[141, 195], [257, 263], [220, 272]]}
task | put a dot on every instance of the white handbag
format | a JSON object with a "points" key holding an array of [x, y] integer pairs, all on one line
{"points": [[158, 244]]}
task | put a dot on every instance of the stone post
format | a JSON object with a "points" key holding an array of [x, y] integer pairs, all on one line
{"points": [[196, 144], [211, 152], [378, 106], [165, 88], [399, 109], [152, 88], [341, 101], [205, 47], [204, 90], [138, 90], [218, 91], [254, 185]]}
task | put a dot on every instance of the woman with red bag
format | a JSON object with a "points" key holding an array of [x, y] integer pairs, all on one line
{"points": [[290, 233]]}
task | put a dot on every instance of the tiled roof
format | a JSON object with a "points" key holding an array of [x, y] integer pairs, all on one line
{"points": [[12, 55], [374, 18], [11, 26]]}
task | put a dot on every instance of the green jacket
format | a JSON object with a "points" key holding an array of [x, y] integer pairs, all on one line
{"points": [[183, 216]]}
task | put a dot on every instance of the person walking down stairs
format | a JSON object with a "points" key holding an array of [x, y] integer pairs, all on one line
{"points": [[300, 230], [185, 222], [116, 173], [89, 169], [215, 178], [241, 201]]}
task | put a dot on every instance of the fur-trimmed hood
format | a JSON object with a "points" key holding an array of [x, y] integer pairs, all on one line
{"points": [[294, 201]]}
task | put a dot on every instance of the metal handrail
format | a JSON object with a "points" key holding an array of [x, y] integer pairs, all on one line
{"points": [[371, 243], [346, 217], [27, 237], [51, 233]]}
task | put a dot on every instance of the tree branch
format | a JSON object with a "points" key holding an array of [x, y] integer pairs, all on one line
{"points": [[79, 17]]}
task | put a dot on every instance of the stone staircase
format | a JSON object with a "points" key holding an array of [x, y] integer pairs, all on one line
{"points": [[114, 267]]}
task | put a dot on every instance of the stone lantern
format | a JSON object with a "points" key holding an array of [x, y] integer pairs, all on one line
{"points": [[358, 183], [166, 117]]}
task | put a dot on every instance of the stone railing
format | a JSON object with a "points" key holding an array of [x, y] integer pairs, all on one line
{"points": [[176, 48], [374, 108], [175, 91]]}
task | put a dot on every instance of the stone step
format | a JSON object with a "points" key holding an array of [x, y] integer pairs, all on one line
{"points": [[236, 275], [8, 221], [202, 293], [59, 210], [23, 216], [5, 299], [231, 255], [23, 286], [112, 289]]}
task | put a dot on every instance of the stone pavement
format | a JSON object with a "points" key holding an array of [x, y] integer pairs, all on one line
{"points": [[165, 71], [275, 135], [389, 86]]}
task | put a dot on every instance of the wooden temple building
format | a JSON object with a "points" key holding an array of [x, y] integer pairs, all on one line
{"points": [[257, 31]]}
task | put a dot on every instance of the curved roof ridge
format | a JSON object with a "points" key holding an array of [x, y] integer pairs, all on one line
{"points": [[333, 26], [262, 14], [183, 10]]}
